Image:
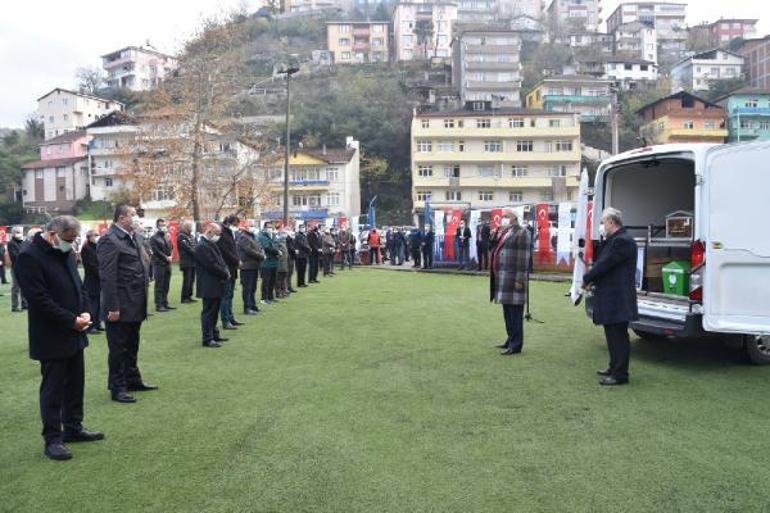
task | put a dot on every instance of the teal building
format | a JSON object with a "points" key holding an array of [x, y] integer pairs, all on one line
{"points": [[748, 114]]}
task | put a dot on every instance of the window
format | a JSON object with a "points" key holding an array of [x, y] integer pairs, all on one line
{"points": [[424, 146], [483, 123], [425, 171], [461, 146], [39, 174], [445, 146], [453, 196], [745, 123], [708, 125], [333, 199], [425, 123], [344, 41], [515, 196], [307, 200], [452, 171], [564, 145], [108, 182], [377, 29], [688, 124], [486, 195], [764, 125], [304, 175], [345, 29], [752, 103], [556, 171], [519, 171], [66, 117], [64, 101], [554, 123], [161, 193], [424, 195], [525, 146], [493, 146], [486, 171], [345, 56], [449, 123], [516, 123], [546, 195], [332, 174], [50, 119]]}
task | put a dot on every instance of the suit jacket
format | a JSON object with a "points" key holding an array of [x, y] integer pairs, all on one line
{"points": [[315, 242], [161, 249], [123, 274], [51, 284], [14, 248], [185, 244], [329, 244], [229, 251], [291, 247], [302, 245], [509, 266], [614, 278], [211, 270], [271, 248], [250, 251], [463, 237], [91, 268]]}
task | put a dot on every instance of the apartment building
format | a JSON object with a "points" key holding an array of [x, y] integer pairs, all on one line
{"points": [[682, 118], [596, 41], [723, 31], [574, 15], [697, 72], [510, 9], [487, 66], [589, 96], [137, 68], [480, 157], [756, 53], [323, 183], [358, 42], [638, 40], [62, 110], [667, 18], [423, 30], [748, 114]]}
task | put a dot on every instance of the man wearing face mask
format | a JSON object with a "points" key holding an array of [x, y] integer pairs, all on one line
{"points": [[123, 275], [269, 268], [426, 245], [415, 239], [58, 321], [230, 253], [161, 263], [303, 253], [91, 278], [508, 275], [251, 255], [14, 248], [329, 248], [463, 238], [212, 278], [185, 244], [316, 250]]}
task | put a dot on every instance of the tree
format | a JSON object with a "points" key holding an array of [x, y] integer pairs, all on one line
{"points": [[718, 88], [89, 79], [423, 31], [34, 129], [699, 39]]}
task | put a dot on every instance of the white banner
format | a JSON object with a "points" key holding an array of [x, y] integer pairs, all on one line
{"points": [[438, 222], [564, 234], [474, 222]]}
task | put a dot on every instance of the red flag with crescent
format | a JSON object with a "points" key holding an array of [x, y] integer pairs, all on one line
{"points": [[495, 215], [3, 234], [173, 230], [544, 251], [455, 216]]}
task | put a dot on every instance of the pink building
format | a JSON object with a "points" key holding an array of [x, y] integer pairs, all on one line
{"points": [[71, 144]]}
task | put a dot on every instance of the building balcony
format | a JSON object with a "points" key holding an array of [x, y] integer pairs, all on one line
{"points": [[694, 135], [361, 31], [748, 111], [745, 134], [492, 66], [576, 100], [513, 86], [301, 184], [493, 49], [566, 132], [361, 47], [504, 157]]}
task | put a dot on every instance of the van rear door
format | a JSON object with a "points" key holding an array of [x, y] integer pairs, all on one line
{"points": [[736, 212]]}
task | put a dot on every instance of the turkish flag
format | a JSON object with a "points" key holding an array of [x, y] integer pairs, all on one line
{"points": [[173, 230], [589, 253], [3, 234], [494, 218], [544, 252], [102, 227], [455, 216]]}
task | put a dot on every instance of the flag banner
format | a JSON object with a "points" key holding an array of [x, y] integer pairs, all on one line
{"points": [[579, 253], [544, 251], [589, 252], [342, 223], [3, 234], [102, 227], [495, 215], [564, 234], [173, 231], [455, 216], [475, 226]]}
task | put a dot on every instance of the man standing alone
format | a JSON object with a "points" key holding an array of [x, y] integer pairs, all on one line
{"points": [[161, 265], [186, 246], [509, 274], [58, 320], [613, 276], [463, 237], [124, 293], [213, 276], [426, 243]]}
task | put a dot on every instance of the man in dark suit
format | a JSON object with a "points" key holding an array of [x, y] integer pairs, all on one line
{"points": [[161, 265], [91, 279], [213, 276], [18, 303], [123, 275], [614, 301], [251, 255], [229, 252], [303, 253], [58, 320], [427, 239], [463, 238], [316, 248], [482, 246], [185, 244]]}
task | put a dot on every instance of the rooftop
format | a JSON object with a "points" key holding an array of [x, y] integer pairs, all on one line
{"points": [[748, 90], [680, 94], [145, 49], [41, 164], [67, 137], [84, 95], [332, 155], [493, 112]]}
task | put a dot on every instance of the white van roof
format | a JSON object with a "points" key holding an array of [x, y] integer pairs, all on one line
{"points": [[699, 149]]}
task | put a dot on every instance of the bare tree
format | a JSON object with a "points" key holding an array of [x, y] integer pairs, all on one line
{"points": [[89, 79]]}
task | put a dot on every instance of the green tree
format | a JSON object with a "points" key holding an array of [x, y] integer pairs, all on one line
{"points": [[423, 31]]}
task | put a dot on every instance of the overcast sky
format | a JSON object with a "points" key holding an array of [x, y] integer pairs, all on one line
{"points": [[43, 42]]}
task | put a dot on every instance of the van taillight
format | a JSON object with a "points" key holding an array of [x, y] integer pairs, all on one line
{"points": [[697, 259]]}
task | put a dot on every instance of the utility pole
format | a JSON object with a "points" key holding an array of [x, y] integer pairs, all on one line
{"points": [[289, 71], [615, 114]]}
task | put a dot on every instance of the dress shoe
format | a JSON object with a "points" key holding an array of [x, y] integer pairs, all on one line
{"points": [[228, 326], [162, 309], [502, 346], [293, 291], [251, 312], [509, 352], [213, 343], [302, 286], [169, 307], [264, 301], [58, 451], [236, 323], [83, 436], [604, 372], [15, 310], [611, 382], [142, 387], [122, 397], [220, 339]]}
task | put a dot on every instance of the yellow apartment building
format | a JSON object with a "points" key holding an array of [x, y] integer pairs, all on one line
{"points": [[357, 42]]}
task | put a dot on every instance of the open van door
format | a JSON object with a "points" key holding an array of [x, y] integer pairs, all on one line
{"points": [[581, 240], [736, 281]]}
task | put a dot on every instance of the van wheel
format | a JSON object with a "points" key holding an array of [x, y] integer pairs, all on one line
{"points": [[757, 348], [649, 337]]}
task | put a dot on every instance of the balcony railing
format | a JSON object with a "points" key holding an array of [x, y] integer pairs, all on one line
{"points": [[751, 111], [575, 99]]}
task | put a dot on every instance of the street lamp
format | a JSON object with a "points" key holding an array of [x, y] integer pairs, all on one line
{"points": [[289, 71]]}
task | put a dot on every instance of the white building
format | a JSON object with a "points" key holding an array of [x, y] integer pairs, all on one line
{"points": [[637, 40], [62, 110], [696, 72], [631, 73], [509, 9], [667, 18], [574, 15], [595, 40], [137, 68], [412, 37], [108, 154]]}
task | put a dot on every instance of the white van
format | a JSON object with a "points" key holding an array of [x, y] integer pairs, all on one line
{"points": [[725, 192]]}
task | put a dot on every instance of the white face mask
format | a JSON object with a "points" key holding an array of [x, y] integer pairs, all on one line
{"points": [[602, 230], [96, 240], [63, 245], [214, 238], [427, 227], [505, 222], [18, 236]]}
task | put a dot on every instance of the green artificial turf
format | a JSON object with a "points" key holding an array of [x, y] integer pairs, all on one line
{"points": [[381, 391]]}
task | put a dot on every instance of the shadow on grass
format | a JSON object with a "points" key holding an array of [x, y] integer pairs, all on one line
{"points": [[707, 354]]}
